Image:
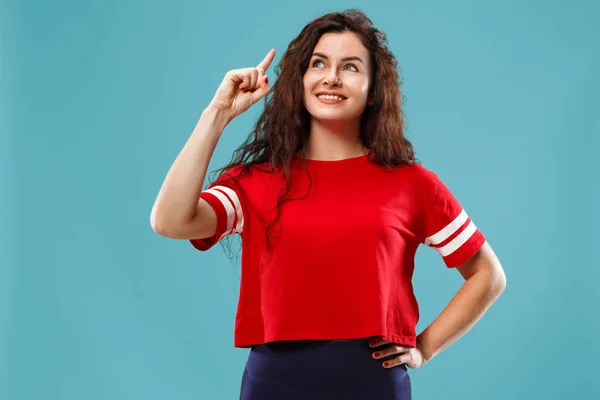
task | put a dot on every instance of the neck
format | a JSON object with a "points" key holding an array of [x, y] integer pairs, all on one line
{"points": [[334, 140]]}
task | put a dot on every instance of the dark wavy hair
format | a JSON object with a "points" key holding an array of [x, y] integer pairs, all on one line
{"points": [[283, 128]]}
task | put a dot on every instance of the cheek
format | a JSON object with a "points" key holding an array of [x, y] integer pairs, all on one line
{"points": [[308, 84], [362, 87], [366, 87]]}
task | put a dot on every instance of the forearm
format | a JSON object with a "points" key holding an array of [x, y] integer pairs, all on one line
{"points": [[469, 304], [178, 196]]}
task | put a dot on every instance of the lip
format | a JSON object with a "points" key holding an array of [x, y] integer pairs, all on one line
{"points": [[332, 94], [329, 101]]}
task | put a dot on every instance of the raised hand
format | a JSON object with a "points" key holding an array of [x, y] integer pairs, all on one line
{"points": [[241, 88]]}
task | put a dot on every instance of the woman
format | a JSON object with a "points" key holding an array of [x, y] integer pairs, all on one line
{"points": [[331, 206]]}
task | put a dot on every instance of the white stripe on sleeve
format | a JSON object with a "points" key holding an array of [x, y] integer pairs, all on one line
{"points": [[232, 208], [450, 229]]}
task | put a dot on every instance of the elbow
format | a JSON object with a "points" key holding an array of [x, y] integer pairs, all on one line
{"points": [[167, 227], [155, 227], [503, 281], [156, 224], [500, 278], [498, 282], [493, 280]]}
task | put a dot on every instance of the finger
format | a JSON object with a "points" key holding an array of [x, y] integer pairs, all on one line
{"points": [[402, 359], [237, 75], [264, 64], [262, 91], [259, 79], [245, 81], [388, 351], [253, 79]]}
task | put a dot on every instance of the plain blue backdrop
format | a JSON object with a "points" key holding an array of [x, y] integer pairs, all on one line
{"points": [[99, 97]]}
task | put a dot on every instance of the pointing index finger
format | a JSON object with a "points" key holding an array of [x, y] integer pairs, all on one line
{"points": [[264, 64]]}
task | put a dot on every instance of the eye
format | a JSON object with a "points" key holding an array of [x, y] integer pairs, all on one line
{"points": [[347, 65]]}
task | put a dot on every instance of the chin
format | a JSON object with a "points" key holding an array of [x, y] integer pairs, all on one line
{"points": [[332, 115], [328, 116]]}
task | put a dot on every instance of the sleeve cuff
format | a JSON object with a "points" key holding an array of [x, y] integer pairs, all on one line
{"points": [[468, 250], [206, 243]]}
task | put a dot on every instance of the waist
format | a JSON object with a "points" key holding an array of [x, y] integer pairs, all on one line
{"points": [[343, 364]]}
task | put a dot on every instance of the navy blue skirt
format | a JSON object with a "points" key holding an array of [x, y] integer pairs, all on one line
{"points": [[322, 370]]}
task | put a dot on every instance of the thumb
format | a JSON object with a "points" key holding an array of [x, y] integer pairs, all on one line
{"points": [[264, 88]]}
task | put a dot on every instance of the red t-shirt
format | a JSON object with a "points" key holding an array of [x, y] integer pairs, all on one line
{"points": [[341, 258]]}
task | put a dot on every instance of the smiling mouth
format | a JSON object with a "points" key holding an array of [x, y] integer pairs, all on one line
{"points": [[329, 101]]}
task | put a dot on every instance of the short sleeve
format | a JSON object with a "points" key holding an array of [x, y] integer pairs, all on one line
{"points": [[225, 197], [448, 228]]}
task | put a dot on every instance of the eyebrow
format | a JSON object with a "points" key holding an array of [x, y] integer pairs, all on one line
{"points": [[343, 59]]}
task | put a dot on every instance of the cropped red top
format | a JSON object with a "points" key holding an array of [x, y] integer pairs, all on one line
{"points": [[341, 257]]}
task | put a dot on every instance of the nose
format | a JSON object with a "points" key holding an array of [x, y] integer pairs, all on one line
{"points": [[332, 80]]}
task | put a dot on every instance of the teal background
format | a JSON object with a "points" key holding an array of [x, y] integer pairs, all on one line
{"points": [[98, 98]]}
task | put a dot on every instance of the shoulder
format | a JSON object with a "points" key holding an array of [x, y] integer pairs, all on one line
{"points": [[420, 175], [423, 172], [423, 180], [246, 177], [242, 173]]}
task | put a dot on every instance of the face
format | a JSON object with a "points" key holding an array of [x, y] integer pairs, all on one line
{"points": [[341, 66]]}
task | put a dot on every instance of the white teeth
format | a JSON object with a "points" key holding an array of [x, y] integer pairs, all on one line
{"points": [[325, 96]]}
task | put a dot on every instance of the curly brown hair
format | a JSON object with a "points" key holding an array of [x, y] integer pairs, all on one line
{"points": [[283, 128]]}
